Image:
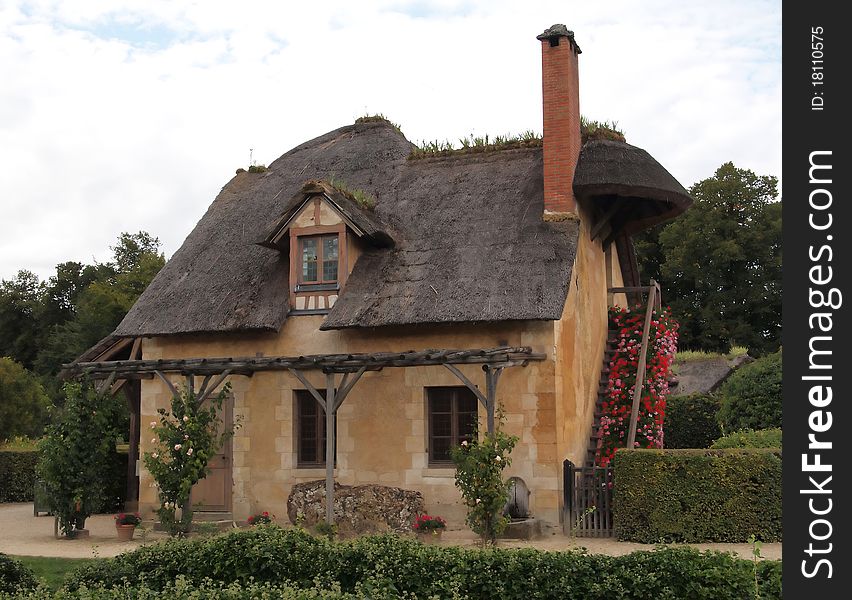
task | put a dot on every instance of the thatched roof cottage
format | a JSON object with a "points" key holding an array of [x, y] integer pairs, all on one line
{"points": [[426, 291]]}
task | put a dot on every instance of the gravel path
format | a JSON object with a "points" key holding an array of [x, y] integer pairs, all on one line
{"points": [[23, 534]]}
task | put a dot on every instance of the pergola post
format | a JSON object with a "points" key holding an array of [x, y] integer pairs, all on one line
{"points": [[331, 410]]}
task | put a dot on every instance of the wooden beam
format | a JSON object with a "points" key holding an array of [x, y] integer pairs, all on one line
{"points": [[209, 389], [309, 386], [606, 217], [204, 383], [136, 350], [116, 387], [640, 368], [345, 387], [470, 385], [168, 383], [106, 384], [190, 385], [492, 376]]}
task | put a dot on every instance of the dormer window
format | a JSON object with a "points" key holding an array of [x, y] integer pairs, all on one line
{"points": [[323, 229], [320, 257]]}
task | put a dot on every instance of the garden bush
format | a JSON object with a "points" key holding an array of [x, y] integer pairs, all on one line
{"points": [[748, 438], [14, 575], [391, 564], [690, 421], [697, 495], [17, 472], [751, 397]]}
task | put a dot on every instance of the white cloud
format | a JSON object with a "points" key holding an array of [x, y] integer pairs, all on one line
{"points": [[127, 115]]}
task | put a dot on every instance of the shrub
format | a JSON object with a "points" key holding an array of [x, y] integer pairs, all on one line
{"points": [[17, 472], [697, 495], [748, 438], [751, 397], [690, 421], [14, 575], [187, 437], [398, 567], [479, 477], [77, 455]]}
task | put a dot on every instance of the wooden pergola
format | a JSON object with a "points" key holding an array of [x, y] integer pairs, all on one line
{"points": [[342, 372]]}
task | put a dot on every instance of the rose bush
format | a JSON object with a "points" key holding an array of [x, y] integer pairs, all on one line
{"points": [[185, 439], [479, 477], [662, 346]]}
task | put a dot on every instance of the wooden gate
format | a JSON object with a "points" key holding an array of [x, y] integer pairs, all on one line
{"points": [[587, 500]]}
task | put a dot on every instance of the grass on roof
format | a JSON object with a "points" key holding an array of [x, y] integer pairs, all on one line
{"points": [[589, 130], [360, 197], [378, 118]]}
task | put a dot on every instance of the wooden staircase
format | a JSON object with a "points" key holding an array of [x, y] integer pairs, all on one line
{"points": [[603, 383]]}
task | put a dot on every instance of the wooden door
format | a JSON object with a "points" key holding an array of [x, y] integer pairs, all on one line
{"points": [[213, 493]]}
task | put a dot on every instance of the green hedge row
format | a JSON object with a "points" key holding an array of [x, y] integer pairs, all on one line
{"points": [[18, 476], [409, 569], [690, 421], [15, 575], [749, 438], [17, 472], [697, 495]]}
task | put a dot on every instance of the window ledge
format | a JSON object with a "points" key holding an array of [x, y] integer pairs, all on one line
{"points": [[311, 472], [439, 472]]}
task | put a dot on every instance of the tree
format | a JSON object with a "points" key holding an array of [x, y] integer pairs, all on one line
{"points": [[720, 263], [23, 403], [20, 302], [94, 299], [76, 455]]}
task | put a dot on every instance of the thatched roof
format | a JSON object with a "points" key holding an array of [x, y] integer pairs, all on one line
{"points": [[468, 241], [607, 170], [358, 217]]}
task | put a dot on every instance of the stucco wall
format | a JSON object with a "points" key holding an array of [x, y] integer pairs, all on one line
{"points": [[381, 425], [580, 339]]}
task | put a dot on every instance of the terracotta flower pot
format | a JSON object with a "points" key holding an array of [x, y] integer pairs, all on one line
{"points": [[125, 532], [430, 537]]}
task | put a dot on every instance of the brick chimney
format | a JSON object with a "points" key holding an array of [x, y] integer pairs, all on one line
{"points": [[561, 107]]}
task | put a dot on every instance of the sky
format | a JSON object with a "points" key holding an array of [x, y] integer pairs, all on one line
{"points": [[130, 115]]}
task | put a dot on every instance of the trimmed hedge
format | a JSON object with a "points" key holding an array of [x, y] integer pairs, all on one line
{"points": [[751, 397], [690, 421], [389, 563], [17, 472], [14, 575], [697, 495], [748, 438]]}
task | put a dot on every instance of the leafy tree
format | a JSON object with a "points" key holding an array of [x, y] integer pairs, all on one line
{"points": [[94, 299], [720, 263], [77, 453], [23, 403], [20, 302]]}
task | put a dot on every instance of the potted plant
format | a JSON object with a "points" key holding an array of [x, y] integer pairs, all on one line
{"points": [[125, 525], [428, 528], [260, 519]]}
